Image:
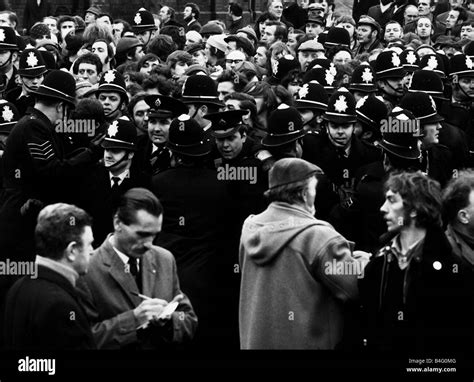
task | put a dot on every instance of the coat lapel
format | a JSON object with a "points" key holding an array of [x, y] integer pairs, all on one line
{"points": [[118, 272]]}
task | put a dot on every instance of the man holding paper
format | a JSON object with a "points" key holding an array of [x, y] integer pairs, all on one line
{"points": [[131, 293]]}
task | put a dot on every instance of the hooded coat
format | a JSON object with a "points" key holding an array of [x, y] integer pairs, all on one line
{"points": [[288, 299]]}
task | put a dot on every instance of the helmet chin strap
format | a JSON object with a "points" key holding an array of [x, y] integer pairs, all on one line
{"points": [[7, 62], [399, 94], [124, 158], [464, 92]]}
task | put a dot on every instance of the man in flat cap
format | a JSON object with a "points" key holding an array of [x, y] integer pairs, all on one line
{"points": [[290, 291]]}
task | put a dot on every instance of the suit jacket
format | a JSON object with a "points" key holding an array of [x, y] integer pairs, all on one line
{"points": [[109, 303], [97, 197], [45, 313]]}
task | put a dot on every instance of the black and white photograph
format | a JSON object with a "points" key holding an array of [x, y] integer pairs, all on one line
{"points": [[215, 186]]}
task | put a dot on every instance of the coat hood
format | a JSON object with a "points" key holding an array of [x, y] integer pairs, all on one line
{"points": [[265, 235]]}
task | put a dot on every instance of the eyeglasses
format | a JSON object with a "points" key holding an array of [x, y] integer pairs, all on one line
{"points": [[230, 61]]}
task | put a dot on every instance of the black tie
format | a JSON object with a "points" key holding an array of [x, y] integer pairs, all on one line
{"points": [[115, 182], [133, 263]]}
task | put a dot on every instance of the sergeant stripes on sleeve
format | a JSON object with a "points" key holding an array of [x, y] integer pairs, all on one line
{"points": [[42, 151]]}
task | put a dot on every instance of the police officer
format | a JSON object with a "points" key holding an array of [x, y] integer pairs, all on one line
{"points": [[36, 170], [9, 47], [389, 74], [153, 153], [196, 225], [103, 186], [143, 25], [338, 151], [112, 94], [31, 71]]}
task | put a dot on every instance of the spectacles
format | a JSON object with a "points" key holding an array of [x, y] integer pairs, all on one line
{"points": [[230, 61]]}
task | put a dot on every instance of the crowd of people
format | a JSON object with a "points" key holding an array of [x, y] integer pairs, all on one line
{"points": [[302, 182]]}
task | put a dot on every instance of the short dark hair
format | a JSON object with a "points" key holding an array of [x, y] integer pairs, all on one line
{"points": [[58, 225], [107, 15], [421, 194], [134, 200], [88, 58], [281, 32], [194, 9], [235, 9], [135, 99], [456, 194], [162, 46], [238, 79], [126, 26]]}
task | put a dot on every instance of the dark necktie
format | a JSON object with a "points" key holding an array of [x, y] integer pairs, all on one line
{"points": [[115, 182], [133, 264]]}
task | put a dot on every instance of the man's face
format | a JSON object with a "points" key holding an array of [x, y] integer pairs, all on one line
{"points": [[164, 14], [136, 238], [467, 32], [83, 251], [411, 14], [230, 147], [192, 37], [111, 103], [179, 69], [88, 72], [89, 18], [292, 41], [31, 83], [314, 28], [364, 34], [100, 49], [469, 209], [233, 58], [5, 55], [66, 27], [140, 114], [466, 84], [392, 32], [393, 211], [224, 88], [305, 57], [452, 19], [342, 57], [340, 133], [187, 12], [261, 56], [431, 132], [148, 66], [158, 130], [117, 29], [5, 21], [200, 58], [52, 25], [144, 37], [139, 53], [423, 28], [276, 8], [232, 104], [392, 86], [269, 35], [113, 156], [424, 8], [456, 3]]}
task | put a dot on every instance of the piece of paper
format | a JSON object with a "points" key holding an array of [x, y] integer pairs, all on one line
{"points": [[169, 309]]}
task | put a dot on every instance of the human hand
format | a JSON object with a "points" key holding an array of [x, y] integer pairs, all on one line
{"points": [[149, 310]]}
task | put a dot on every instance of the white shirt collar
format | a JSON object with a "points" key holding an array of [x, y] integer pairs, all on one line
{"points": [[122, 176], [62, 269], [121, 255]]}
